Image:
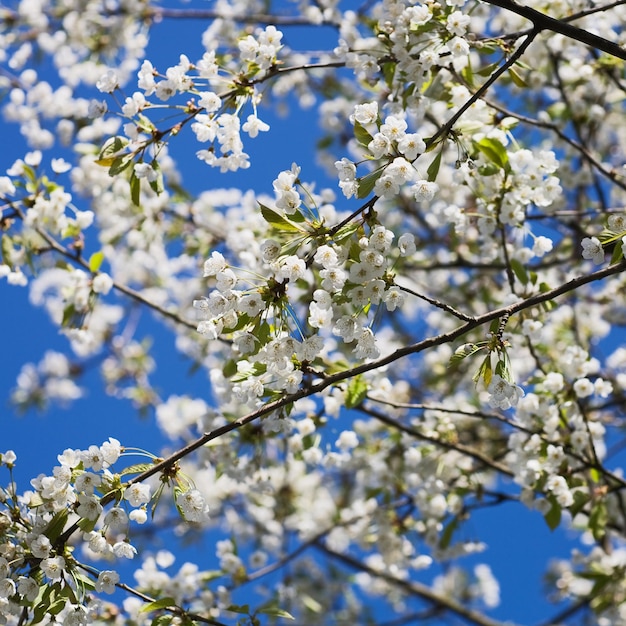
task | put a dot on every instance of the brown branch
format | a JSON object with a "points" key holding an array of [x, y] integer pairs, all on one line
{"points": [[441, 443], [415, 348], [447, 127], [541, 21], [413, 588]]}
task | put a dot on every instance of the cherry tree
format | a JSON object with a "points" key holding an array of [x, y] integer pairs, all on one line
{"points": [[428, 331]]}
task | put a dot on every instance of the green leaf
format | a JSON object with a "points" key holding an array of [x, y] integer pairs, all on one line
{"points": [[362, 135], [135, 189], [462, 352], [230, 368], [618, 253], [484, 371], [111, 151], [597, 520], [356, 392], [494, 151], [87, 525], [95, 261], [162, 620], [366, 184], [157, 185], [276, 612], [553, 516], [311, 603], [448, 531], [488, 70], [161, 603], [138, 468], [244, 609], [277, 220], [594, 474], [517, 79], [56, 525], [520, 271], [57, 606], [549, 304], [433, 168], [6, 246], [119, 164]]}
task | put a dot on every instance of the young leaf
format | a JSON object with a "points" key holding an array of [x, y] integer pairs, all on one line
{"points": [[111, 151], [494, 151], [276, 612], [517, 79], [161, 603], [95, 261], [520, 271], [356, 392], [362, 136], [553, 516], [239, 608], [277, 220], [157, 185], [135, 189], [433, 168], [462, 352], [366, 184]]}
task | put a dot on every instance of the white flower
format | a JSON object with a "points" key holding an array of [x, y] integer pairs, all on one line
{"points": [[40, 547], [210, 101], [140, 516], [53, 567], [92, 458], [102, 283], [406, 244], [592, 249], [583, 388], [394, 128], [424, 190], [346, 169], [137, 494], [28, 588], [393, 298], [111, 451], [542, 246], [116, 518], [192, 505], [106, 581], [365, 113], [603, 388], [366, 345], [7, 588], [411, 146], [553, 382], [145, 170], [504, 394], [458, 47], [108, 82], [60, 166], [347, 440], [292, 268], [379, 146], [89, 506], [254, 126], [457, 23]]}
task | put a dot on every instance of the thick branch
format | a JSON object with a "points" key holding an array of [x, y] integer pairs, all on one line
{"points": [[541, 21]]}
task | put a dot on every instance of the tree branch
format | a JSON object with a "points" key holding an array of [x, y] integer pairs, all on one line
{"points": [[413, 588], [541, 21]]}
